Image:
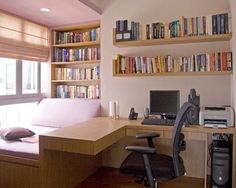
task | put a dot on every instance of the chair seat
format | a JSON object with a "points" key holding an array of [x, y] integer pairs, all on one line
{"points": [[161, 165]]}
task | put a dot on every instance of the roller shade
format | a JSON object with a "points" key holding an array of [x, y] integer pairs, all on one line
{"points": [[22, 39]]}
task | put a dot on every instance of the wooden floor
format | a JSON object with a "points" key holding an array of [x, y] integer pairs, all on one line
{"points": [[111, 178]]}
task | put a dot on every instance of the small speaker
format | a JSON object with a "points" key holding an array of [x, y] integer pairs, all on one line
{"points": [[146, 113]]}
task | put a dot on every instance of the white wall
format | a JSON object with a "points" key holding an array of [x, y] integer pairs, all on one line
{"points": [[134, 91], [233, 47]]}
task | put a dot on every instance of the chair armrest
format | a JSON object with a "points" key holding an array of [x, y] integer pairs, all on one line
{"points": [[147, 135], [141, 149]]}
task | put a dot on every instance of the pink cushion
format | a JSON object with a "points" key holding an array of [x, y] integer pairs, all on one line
{"points": [[65, 112]]}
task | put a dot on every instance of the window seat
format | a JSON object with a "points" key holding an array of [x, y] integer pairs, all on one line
{"points": [[19, 161]]}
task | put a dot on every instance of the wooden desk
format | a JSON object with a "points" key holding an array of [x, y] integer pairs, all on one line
{"points": [[69, 155]]}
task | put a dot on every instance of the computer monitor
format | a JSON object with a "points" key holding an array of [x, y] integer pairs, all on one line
{"points": [[164, 102]]}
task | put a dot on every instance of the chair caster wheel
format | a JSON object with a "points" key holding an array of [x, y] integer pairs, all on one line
{"points": [[139, 179]]}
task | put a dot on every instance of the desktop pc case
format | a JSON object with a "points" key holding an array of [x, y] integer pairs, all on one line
{"points": [[221, 164]]}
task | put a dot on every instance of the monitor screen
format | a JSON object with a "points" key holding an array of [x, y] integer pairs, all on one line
{"points": [[164, 102]]}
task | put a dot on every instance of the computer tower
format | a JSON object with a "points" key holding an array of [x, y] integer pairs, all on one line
{"points": [[221, 164]]}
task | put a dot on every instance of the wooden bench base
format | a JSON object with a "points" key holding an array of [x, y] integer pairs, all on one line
{"points": [[18, 172]]}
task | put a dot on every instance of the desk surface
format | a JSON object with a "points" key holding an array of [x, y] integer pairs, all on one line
{"points": [[90, 138], [93, 136]]}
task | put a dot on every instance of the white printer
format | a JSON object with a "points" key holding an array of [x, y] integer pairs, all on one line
{"points": [[217, 116]]}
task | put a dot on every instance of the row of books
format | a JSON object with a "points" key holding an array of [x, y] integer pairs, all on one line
{"points": [[191, 26], [84, 92], [76, 36], [77, 73], [194, 26], [219, 61], [80, 54]]}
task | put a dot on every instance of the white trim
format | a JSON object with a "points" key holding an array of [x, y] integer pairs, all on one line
{"points": [[15, 100]]}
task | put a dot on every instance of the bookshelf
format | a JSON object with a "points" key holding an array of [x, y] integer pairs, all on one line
{"points": [[175, 74], [177, 40], [78, 44], [216, 63], [75, 63]]}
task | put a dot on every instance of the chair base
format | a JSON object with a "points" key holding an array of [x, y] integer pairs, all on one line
{"points": [[143, 180]]}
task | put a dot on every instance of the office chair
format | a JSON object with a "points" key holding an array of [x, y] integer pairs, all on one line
{"points": [[151, 167]]}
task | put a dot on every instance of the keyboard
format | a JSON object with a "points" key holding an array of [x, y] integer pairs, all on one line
{"points": [[156, 121]]}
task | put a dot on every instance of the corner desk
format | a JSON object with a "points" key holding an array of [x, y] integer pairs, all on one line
{"points": [[70, 154]]}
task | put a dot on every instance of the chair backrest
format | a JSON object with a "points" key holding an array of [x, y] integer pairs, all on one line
{"points": [[178, 138]]}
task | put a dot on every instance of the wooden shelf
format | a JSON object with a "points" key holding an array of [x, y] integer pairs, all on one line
{"points": [[175, 74], [77, 62], [179, 40], [89, 82], [77, 44], [85, 26]]}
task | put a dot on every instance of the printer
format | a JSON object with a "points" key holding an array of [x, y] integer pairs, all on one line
{"points": [[217, 116]]}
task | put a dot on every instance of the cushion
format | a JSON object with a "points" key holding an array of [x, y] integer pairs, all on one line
{"points": [[59, 113], [15, 133]]}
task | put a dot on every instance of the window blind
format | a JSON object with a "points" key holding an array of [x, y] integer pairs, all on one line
{"points": [[22, 39]]}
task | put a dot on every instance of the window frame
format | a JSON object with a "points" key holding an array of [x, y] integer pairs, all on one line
{"points": [[19, 97]]}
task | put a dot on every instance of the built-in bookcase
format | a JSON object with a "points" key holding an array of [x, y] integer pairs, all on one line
{"points": [[75, 67]]}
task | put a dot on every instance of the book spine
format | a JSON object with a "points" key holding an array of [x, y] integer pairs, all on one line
{"points": [[218, 24], [229, 61], [219, 61], [222, 24], [214, 26], [204, 25], [182, 21], [226, 24], [148, 31]]}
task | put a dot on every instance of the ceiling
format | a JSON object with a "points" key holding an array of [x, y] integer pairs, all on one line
{"points": [[62, 12]]}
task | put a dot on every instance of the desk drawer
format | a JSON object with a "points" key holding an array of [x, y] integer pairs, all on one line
{"points": [[188, 135], [194, 136], [133, 132]]}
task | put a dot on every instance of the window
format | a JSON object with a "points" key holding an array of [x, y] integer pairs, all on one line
{"points": [[22, 81], [44, 77], [7, 76], [29, 77]]}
